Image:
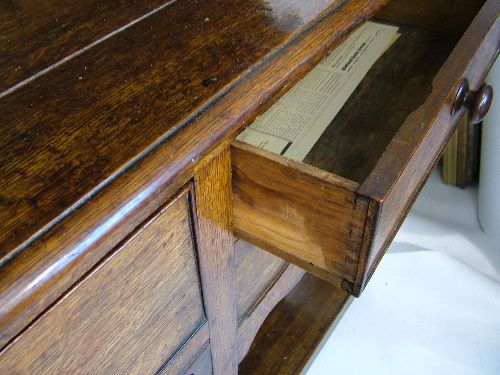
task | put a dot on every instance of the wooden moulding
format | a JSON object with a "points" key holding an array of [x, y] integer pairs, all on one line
{"points": [[58, 249], [339, 229], [249, 327], [123, 316], [256, 270]]}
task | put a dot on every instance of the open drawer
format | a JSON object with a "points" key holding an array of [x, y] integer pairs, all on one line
{"points": [[336, 212]]}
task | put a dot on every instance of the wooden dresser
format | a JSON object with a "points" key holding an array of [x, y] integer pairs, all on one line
{"points": [[138, 237]]}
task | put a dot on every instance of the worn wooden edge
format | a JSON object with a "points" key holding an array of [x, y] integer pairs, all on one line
{"points": [[249, 327], [187, 354], [303, 168], [372, 213], [427, 128], [58, 254]]}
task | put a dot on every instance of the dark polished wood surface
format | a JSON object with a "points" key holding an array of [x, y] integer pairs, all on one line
{"points": [[93, 146], [64, 133], [56, 255], [36, 34]]}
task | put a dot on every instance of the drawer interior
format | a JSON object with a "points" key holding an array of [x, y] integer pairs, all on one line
{"points": [[335, 212], [396, 85]]}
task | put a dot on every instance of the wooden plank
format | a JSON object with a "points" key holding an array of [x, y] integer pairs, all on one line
{"points": [[256, 271], [35, 34], [122, 317], [59, 252], [252, 323], [216, 259], [202, 365], [63, 134], [290, 208], [409, 158], [291, 333], [189, 354]]}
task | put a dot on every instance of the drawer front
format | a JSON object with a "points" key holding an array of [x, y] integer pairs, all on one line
{"points": [[337, 223], [401, 172], [130, 315]]}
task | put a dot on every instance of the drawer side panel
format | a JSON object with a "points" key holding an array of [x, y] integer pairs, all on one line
{"points": [[307, 216]]}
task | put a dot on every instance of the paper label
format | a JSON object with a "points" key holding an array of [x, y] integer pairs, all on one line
{"points": [[295, 122]]}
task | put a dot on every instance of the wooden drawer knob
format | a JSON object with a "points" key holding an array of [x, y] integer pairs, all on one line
{"points": [[477, 103]]}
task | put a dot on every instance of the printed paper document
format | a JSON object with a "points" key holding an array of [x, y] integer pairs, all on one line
{"points": [[295, 122]]}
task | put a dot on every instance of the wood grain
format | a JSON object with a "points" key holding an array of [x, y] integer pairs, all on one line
{"points": [[215, 245], [401, 172], [386, 138], [202, 365], [292, 208], [256, 270], [250, 325], [449, 16], [59, 252], [123, 317], [396, 85], [34, 34], [63, 134], [188, 353], [292, 332]]}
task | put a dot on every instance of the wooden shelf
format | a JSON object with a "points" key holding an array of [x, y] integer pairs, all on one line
{"points": [[292, 332]]}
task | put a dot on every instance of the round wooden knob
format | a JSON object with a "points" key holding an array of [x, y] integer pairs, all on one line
{"points": [[477, 103]]}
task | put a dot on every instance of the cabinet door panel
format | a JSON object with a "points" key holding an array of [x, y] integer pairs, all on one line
{"points": [[130, 315]]}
